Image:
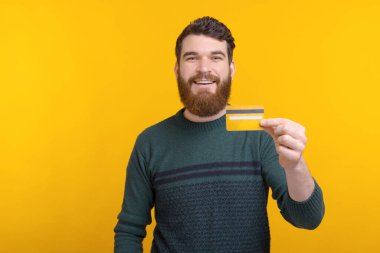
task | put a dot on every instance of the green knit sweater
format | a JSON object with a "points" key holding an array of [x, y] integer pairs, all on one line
{"points": [[209, 188]]}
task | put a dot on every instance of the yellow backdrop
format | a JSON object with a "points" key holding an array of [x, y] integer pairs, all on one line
{"points": [[81, 79]]}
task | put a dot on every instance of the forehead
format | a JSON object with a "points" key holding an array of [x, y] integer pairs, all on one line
{"points": [[202, 44]]}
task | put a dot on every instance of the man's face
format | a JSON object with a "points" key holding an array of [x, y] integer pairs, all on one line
{"points": [[204, 75]]}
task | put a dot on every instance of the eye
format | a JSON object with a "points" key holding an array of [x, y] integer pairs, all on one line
{"points": [[191, 58], [216, 58]]}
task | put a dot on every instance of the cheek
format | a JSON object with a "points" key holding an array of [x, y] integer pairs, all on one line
{"points": [[224, 73], [185, 73]]}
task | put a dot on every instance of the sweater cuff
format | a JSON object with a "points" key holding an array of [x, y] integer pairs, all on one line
{"points": [[307, 214]]}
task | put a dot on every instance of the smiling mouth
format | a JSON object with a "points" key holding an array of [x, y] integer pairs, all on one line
{"points": [[204, 82]]}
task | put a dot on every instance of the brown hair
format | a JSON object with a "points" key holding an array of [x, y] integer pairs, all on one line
{"points": [[210, 27]]}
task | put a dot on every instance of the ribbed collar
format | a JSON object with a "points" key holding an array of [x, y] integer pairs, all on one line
{"points": [[210, 125]]}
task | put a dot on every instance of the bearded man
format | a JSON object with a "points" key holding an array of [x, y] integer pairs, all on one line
{"points": [[209, 187]]}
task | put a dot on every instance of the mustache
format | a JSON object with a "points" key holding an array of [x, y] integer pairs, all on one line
{"points": [[201, 76]]}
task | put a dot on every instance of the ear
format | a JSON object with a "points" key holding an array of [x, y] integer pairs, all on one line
{"points": [[232, 69], [176, 69]]}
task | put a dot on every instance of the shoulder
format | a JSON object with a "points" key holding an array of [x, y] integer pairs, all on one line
{"points": [[157, 131]]}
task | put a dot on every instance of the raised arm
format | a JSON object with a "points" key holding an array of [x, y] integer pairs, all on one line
{"points": [[298, 195]]}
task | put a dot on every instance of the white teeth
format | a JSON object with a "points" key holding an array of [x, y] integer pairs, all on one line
{"points": [[203, 82]]}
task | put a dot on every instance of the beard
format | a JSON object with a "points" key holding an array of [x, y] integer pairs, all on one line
{"points": [[205, 103]]}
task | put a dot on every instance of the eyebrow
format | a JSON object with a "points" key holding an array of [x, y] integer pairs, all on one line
{"points": [[212, 53]]}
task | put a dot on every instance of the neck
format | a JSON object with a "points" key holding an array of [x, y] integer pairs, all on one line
{"points": [[195, 118]]}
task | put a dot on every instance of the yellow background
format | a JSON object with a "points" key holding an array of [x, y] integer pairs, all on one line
{"points": [[79, 80]]}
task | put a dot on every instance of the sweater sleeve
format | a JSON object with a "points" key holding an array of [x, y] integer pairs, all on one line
{"points": [[307, 214], [137, 204]]}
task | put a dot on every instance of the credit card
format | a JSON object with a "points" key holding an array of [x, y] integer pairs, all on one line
{"points": [[244, 117]]}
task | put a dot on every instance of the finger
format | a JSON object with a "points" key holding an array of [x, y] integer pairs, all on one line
{"points": [[291, 143], [293, 131], [288, 155], [273, 122]]}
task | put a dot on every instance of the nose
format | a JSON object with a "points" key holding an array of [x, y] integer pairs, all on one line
{"points": [[203, 65]]}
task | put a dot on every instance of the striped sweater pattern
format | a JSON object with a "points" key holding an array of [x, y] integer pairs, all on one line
{"points": [[209, 189]]}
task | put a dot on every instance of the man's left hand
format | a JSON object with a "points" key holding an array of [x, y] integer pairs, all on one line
{"points": [[289, 138]]}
